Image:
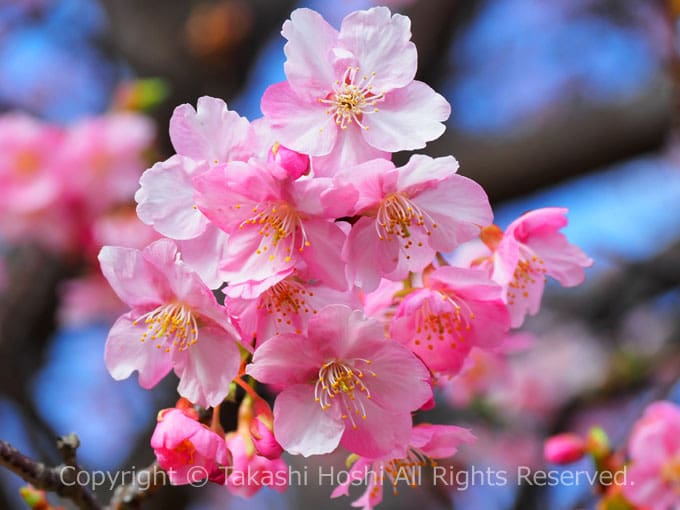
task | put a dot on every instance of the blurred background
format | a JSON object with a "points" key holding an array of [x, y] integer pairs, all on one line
{"points": [[572, 103]]}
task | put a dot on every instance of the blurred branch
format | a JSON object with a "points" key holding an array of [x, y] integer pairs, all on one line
{"points": [[563, 145], [59, 479]]}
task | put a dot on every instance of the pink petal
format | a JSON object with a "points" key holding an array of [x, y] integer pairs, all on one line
{"points": [[207, 368], [367, 257], [350, 149], [125, 352], [382, 432], [440, 441], [423, 172], [381, 44], [469, 283], [323, 254], [460, 208], [166, 198], [407, 119], [302, 125], [132, 278], [284, 360], [208, 133], [390, 388], [373, 180], [204, 253], [563, 260], [300, 426], [308, 50]]}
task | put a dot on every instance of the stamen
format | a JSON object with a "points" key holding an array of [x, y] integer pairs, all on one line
{"points": [[530, 269], [397, 214], [279, 222], [343, 379], [172, 325], [442, 324], [352, 98]]}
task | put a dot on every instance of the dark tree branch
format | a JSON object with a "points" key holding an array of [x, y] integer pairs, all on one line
{"points": [[61, 480]]}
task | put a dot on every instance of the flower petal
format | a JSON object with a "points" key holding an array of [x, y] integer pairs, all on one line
{"points": [[301, 427], [301, 125], [133, 279], [407, 119], [206, 369], [381, 43], [308, 50], [125, 352], [208, 133], [166, 198]]}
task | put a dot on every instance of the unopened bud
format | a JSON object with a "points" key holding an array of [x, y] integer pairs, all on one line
{"points": [[294, 163], [564, 448]]}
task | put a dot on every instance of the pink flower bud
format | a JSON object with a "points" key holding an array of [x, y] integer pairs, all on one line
{"points": [[182, 444], [263, 438], [564, 448], [294, 163]]}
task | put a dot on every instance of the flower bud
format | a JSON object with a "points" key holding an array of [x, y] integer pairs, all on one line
{"points": [[294, 163], [564, 448]]}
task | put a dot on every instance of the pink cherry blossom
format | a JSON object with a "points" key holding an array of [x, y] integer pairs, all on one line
{"points": [[28, 179], [458, 309], [186, 448], [427, 443], [531, 249], [353, 386], [407, 215], [350, 94], [483, 370], [102, 159], [274, 224], [204, 137], [175, 323], [654, 449]]}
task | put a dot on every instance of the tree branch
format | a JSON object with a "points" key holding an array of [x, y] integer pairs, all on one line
{"points": [[60, 479]]}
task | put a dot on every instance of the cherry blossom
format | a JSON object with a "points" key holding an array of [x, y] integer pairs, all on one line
{"points": [[350, 95], [175, 323], [427, 443], [530, 249], [457, 310], [408, 214], [654, 448], [354, 387]]}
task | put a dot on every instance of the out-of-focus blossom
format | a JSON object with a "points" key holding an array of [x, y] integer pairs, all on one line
{"points": [[654, 449], [564, 448]]}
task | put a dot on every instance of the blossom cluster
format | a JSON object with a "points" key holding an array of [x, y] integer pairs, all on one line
{"points": [[294, 253]]}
